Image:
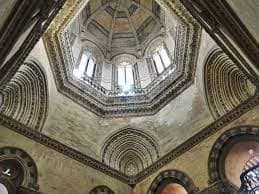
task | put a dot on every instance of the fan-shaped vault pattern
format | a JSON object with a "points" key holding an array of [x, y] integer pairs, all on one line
{"points": [[130, 150], [121, 26], [25, 97], [225, 84]]}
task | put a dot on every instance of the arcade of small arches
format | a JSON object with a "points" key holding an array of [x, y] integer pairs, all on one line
{"points": [[124, 64], [125, 78]]}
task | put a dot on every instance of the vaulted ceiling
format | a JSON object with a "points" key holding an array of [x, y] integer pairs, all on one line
{"points": [[132, 146], [122, 25], [119, 134]]}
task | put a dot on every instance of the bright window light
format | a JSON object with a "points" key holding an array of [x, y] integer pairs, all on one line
{"points": [[125, 79], [81, 68], [90, 68], [121, 76], [165, 57], [159, 64], [129, 75]]}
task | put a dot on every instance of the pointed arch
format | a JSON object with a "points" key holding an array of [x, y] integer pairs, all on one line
{"points": [[130, 150], [226, 86]]}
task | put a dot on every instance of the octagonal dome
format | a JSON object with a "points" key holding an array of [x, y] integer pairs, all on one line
{"points": [[124, 57], [120, 26]]}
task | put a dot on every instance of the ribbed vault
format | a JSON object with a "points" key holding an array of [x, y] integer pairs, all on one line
{"points": [[121, 25], [24, 98], [130, 150], [225, 84]]}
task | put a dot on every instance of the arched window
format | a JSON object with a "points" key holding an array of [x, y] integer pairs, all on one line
{"points": [[158, 57], [161, 60], [86, 67], [124, 75]]}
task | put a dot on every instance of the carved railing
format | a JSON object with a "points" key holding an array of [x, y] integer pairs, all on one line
{"points": [[137, 90], [220, 187], [161, 82]]}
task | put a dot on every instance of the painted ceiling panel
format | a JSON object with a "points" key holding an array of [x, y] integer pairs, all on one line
{"points": [[104, 20], [95, 5], [139, 16], [147, 3], [122, 25]]}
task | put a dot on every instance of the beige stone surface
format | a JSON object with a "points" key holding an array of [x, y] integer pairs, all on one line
{"points": [[181, 118], [248, 12], [195, 161], [67, 121], [59, 174], [79, 128], [5, 10]]}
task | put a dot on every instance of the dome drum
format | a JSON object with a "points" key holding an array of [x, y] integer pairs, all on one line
{"points": [[125, 57]]}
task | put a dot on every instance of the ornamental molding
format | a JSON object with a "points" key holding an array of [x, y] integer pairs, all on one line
{"points": [[130, 150], [64, 18], [97, 99], [89, 161]]}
